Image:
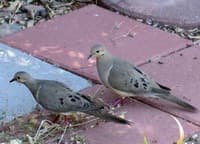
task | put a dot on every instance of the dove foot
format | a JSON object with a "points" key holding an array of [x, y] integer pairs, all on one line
{"points": [[56, 119], [119, 102], [64, 119]]}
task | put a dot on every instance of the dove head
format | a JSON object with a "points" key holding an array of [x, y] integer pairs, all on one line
{"points": [[97, 51], [21, 77]]}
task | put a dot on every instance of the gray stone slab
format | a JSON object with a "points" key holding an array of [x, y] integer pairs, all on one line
{"points": [[15, 99], [184, 13]]}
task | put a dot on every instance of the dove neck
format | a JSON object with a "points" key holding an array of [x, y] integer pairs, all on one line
{"points": [[31, 84], [104, 63]]}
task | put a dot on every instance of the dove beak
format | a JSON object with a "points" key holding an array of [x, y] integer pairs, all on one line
{"points": [[12, 80], [90, 56]]}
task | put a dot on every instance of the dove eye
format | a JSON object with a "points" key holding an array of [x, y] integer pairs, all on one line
{"points": [[97, 51], [18, 77]]}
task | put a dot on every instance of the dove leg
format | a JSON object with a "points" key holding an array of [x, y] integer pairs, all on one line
{"points": [[64, 118], [56, 119], [119, 102]]}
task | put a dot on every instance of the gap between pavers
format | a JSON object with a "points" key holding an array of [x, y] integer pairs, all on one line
{"points": [[157, 126]]}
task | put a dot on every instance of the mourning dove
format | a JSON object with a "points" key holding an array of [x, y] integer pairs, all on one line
{"points": [[127, 80], [57, 97]]}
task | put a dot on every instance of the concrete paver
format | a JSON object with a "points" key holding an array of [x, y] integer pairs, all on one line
{"points": [[157, 126], [65, 40], [181, 72], [184, 13]]}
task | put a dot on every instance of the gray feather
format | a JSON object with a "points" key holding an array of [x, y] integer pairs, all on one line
{"points": [[127, 80], [57, 97]]}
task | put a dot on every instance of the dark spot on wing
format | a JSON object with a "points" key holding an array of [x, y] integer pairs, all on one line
{"points": [[144, 85], [136, 84], [70, 96], [131, 81], [61, 101], [68, 89], [138, 70], [163, 87], [143, 80], [73, 100], [76, 97], [85, 97]]}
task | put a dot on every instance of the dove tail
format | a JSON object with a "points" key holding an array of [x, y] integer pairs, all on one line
{"points": [[104, 114], [178, 101], [110, 117]]}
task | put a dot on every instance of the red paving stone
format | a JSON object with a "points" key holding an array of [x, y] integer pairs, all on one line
{"points": [[156, 125], [181, 72], [65, 40]]}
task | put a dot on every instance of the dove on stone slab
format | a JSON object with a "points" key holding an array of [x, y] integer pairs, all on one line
{"points": [[57, 97], [127, 80]]}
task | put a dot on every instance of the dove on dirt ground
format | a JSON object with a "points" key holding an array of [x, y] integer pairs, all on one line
{"points": [[127, 80], [57, 97]]}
